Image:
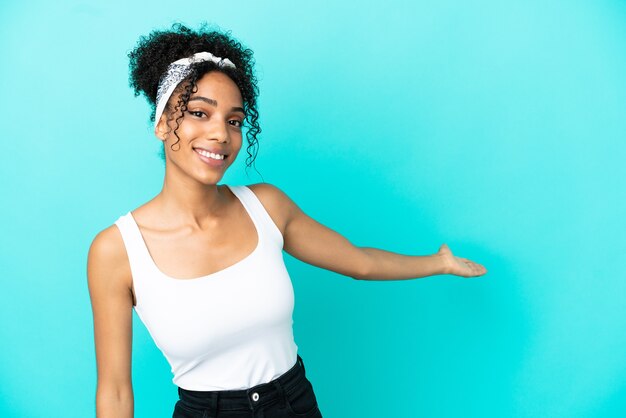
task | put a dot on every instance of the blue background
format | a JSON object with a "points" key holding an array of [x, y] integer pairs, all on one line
{"points": [[496, 127]]}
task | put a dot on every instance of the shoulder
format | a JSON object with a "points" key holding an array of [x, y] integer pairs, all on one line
{"points": [[107, 260], [268, 191], [108, 244], [277, 203]]}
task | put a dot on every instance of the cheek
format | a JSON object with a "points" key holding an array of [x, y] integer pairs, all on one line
{"points": [[234, 154], [185, 132], [241, 146]]}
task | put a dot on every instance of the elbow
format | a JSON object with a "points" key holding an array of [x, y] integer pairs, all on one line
{"points": [[114, 401], [365, 268], [361, 275]]}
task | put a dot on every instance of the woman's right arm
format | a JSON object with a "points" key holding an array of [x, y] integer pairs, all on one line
{"points": [[109, 281]]}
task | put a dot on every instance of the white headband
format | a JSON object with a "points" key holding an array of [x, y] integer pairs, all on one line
{"points": [[176, 72]]}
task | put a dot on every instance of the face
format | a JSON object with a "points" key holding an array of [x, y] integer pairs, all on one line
{"points": [[212, 123]]}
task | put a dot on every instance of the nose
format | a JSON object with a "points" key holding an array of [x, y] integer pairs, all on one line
{"points": [[218, 131]]}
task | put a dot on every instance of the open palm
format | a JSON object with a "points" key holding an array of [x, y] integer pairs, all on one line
{"points": [[460, 266]]}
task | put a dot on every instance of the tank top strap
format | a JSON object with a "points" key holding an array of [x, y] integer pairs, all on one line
{"points": [[258, 211], [138, 256]]}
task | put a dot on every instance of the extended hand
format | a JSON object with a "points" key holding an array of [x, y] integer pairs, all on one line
{"points": [[459, 266]]}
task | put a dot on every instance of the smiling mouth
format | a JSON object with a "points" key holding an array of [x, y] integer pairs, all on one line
{"points": [[211, 155]]}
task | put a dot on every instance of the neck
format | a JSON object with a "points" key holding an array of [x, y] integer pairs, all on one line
{"points": [[186, 201]]}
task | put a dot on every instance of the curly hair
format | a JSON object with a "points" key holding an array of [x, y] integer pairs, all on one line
{"points": [[152, 55]]}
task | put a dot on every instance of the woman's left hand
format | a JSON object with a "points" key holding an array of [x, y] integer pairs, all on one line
{"points": [[458, 266]]}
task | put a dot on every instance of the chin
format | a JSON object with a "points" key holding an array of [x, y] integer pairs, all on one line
{"points": [[209, 181]]}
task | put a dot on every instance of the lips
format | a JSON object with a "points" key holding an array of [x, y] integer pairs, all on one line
{"points": [[212, 162], [213, 150]]}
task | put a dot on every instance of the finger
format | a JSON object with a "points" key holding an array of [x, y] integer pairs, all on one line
{"points": [[479, 269], [469, 269], [476, 269]]}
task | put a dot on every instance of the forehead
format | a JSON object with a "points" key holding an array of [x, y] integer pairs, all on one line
{"points": [[218, 86]]}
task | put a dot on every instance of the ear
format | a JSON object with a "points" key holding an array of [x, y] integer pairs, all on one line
{"points": [[161, 128]]}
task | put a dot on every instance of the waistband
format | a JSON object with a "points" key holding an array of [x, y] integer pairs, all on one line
{"points": [[249, 399]]}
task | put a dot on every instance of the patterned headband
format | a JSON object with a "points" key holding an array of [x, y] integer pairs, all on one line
{"points": [[176, 72]]}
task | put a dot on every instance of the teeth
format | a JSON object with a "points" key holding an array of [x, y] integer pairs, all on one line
{"points": [[209, 154]]}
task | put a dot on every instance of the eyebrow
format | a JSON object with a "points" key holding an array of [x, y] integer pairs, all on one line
{"points": [[213, 102]]}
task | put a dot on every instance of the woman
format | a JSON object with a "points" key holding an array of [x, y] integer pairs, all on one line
{"points": [[201, 263]]}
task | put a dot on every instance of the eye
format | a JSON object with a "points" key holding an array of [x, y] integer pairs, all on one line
{"points": [[239, 123], [196, 112]]}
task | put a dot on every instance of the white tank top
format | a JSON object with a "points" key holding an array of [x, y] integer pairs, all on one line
{"points": [[229, 330]]}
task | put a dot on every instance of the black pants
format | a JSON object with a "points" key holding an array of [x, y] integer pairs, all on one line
{"points": [[289, 395]]}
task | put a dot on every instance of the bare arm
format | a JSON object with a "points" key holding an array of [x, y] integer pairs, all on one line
{"points": [[392, 266], [108, 276], [318, 245], [311, 242]]}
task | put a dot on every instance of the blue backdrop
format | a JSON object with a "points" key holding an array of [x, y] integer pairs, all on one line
{"points": [[496, 127]]}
